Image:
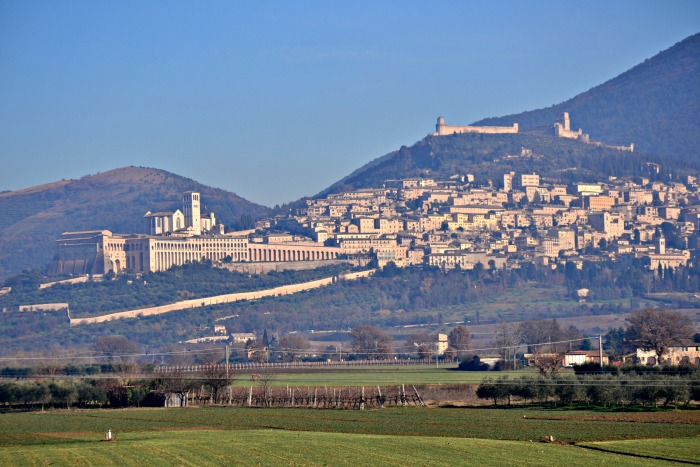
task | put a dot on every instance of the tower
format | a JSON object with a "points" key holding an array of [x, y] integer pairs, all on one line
{"points": [[567, 122], [661, 246], [190, 204], [439, 125], [508, 181]]}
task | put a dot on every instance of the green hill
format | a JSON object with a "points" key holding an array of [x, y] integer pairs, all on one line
{"points": [[489, 156], [32, 218], [655, 105]]}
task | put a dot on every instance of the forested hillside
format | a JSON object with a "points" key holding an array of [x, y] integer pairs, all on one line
{"points": [[392, 298], [488, 157], [31, 219]]}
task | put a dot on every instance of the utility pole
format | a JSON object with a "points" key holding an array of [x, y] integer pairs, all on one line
{"points": [[600, 351]]}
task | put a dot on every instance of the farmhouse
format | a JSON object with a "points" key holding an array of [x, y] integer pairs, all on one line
{"points": [[682, 353]]}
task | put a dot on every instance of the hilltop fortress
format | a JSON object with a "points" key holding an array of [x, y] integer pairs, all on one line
{"points": [[441, 129], [561, 130]]}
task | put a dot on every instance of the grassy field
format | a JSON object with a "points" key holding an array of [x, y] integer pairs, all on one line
{"points": [[397, 436], [378, 375], [682, 449], [267, 447]]}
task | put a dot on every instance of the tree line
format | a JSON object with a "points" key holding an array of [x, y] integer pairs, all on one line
{"points": [[598, 390]]}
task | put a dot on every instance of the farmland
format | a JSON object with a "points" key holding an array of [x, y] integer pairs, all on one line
{"points": [[396, 436], [376, 375]]}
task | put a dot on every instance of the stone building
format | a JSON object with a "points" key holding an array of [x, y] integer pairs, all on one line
{"points": [[198, 239]]}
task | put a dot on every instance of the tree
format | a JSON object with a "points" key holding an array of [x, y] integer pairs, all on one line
{"points": [[547, 358], [460, 340], [424, 351], [371, 342], [292, 347], [507, 339], [614, 343], [540, 331], [413, 341], [115, 348], [657, 329], [118, 350], [548, 364]]}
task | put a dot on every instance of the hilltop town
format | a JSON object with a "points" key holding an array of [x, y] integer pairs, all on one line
{"points": [[451, 223], [521, 218]]}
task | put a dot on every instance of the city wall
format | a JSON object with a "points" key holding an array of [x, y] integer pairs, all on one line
{"points": [[219, 299]]}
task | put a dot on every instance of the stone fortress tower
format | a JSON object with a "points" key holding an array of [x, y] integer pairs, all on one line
{"points": [[190, 204], [563, 130]]}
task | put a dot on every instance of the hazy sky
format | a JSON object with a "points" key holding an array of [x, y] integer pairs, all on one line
{"points": [[277, 100]]}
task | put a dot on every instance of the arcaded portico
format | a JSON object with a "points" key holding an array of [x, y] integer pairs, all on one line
{"points": [[291, 252]]}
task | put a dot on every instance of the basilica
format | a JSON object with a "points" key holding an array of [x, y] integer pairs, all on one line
{"points": [[174, 238]]}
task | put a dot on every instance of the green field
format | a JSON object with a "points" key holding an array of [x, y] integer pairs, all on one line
{"points": [[396, 436], [376, 375], [682, 449]]}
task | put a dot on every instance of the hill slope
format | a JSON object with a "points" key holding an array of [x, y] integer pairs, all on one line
{"points": [[31, 219], [655, 105], [488, 157]]}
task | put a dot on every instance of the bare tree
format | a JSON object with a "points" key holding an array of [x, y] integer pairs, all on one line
{"points": [[115, 348], [119, 351], [424, 351], [548, 364], [507, 339], [543, 338], [371, 342], [214, 374], [539, 334], [292, 347], [460, 340], [415, 340], [657, 329]]}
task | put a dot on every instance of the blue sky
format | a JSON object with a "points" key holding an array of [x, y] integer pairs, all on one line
{"points": [[277, 100]]}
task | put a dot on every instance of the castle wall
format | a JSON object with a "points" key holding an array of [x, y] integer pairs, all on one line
{"points": [[443, 130]]}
